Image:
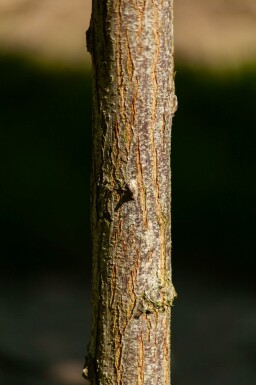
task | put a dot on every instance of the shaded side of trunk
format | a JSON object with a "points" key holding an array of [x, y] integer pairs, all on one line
{"points": [[131, 43]]}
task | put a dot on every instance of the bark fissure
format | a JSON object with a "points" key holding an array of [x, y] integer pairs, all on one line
{"points": [[131, 43]]}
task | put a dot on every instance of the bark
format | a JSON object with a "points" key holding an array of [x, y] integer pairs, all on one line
{"points": [[131, 43]]}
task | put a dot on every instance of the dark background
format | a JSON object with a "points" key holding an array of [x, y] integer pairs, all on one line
{"points": [[45, 144]]}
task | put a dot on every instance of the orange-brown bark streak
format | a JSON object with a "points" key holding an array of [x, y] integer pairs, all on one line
{"points": [[166, 351], [141, 188], [155, 170], [120, 78], [118, 345], [141, 361]]}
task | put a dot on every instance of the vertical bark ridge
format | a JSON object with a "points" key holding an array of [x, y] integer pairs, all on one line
{"points": [[131, 43]]}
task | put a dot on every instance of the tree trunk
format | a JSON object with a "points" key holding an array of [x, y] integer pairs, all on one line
{"points": [[131, 43]]}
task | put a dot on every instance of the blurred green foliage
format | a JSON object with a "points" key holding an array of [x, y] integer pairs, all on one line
{"points": [[45, 149], [45, 167], [214, 167]]}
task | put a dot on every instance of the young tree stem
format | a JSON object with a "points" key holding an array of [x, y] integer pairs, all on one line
{"points": [[131, 44]]}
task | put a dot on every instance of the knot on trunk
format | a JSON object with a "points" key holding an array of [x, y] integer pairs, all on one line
{"points": [[158, 298]]}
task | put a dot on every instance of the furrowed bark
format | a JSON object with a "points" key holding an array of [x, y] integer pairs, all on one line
{"points": [[131, 43]]}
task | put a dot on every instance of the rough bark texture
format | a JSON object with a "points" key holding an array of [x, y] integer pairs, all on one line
{"points": [[131, 43]]}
